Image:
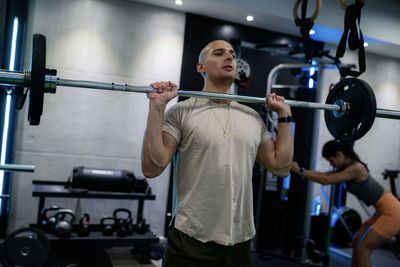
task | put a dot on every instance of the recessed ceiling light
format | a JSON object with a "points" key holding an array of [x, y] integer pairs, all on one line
{"points": [[365, 44], [312, 32], [249, 18], [178, 2]]}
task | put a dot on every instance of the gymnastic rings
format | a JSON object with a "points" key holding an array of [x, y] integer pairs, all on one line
{"points": [[314, 15]]}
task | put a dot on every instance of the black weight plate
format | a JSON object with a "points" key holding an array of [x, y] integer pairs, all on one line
{"points": [[339, 235], [361, 115], [27, 247], [38, 74]]}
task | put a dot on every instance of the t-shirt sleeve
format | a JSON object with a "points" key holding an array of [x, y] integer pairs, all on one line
{"points": [[172, 123], [265, 134]]}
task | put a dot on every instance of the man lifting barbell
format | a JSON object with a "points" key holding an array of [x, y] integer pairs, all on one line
{"points": [[385, 223], [218, 143]]}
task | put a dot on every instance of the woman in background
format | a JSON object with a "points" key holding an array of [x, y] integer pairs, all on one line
{"points": [[348, 168]]}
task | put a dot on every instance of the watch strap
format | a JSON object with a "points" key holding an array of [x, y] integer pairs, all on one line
{"points": [[285, 119]]}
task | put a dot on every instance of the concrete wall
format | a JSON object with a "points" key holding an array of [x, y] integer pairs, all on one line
{"points": [[106, 41]]}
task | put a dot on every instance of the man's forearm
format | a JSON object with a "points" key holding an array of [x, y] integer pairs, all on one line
{"points": [[153, 145], [284, 145]]}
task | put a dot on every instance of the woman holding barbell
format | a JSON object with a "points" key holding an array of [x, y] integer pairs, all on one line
{"points": [[385, 223]]}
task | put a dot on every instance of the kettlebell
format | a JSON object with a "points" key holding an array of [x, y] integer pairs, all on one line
{"points": [[141, 227], [83, 228], [63, 227], [108, 228], [123, 225], [49, 221]]}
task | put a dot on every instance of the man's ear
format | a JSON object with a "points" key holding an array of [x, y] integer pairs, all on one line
{"points": [[200, 69]]}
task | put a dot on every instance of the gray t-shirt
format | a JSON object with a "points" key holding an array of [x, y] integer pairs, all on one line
{"points": [[218, 144]]}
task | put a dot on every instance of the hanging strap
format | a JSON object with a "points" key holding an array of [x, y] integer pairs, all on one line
{"points": [[352, 35], [305, 25]]}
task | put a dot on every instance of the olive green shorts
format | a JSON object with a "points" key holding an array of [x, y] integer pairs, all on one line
{"points": [[185, 251]]}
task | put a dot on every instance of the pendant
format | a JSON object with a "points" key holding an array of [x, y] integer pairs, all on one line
{"points": [[225, 135]]}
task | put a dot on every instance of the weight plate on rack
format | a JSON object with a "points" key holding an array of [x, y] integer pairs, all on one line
{"points": [[27, 247]]}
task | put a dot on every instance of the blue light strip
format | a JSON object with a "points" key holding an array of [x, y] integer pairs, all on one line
{"points": [[4, 140], [5, 137], [13, 44], [311, 80]]}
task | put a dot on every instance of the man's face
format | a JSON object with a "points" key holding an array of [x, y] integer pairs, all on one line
{"points": [[219, 61]]}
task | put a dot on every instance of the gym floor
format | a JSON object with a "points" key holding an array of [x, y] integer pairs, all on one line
{"points": [[121, 257]]}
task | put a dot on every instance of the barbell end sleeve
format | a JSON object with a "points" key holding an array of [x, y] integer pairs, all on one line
{"points": [[387, 113], [17, 168]]}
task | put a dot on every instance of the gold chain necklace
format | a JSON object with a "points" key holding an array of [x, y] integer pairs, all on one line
{"points": [[224, 129]]}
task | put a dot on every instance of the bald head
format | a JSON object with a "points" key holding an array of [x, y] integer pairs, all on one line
{"points": [[217, 61], [209, 47]]}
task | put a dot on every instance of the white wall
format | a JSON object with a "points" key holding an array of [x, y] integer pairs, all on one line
{"points": [[106, 41], [380, 147]]}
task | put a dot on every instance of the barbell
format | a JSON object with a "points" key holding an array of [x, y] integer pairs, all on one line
{"points": [[17, 167], [350, 108]]}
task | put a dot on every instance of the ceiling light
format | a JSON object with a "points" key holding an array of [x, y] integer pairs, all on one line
{"points": [[249, 18], [178, 2], [365, 44], [312, 32]]}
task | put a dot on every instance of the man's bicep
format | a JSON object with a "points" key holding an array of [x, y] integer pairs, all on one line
{"points": [[170, 145], [266, 154]]}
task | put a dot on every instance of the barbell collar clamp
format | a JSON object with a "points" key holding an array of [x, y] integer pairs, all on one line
{"points": [[344, 108], [50, 84]]}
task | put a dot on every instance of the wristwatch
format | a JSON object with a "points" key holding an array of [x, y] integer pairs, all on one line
{"points": [[285, 119]]}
